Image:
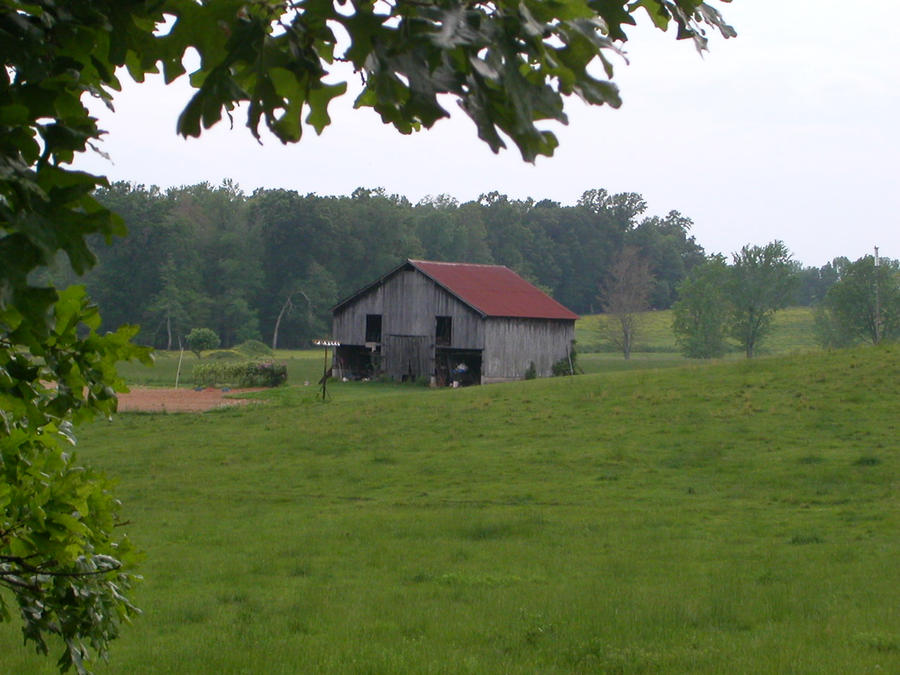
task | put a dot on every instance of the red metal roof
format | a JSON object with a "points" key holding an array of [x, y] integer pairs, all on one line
{"points": [[494, 290]]}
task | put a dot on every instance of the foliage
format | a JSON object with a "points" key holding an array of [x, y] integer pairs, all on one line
{"points": [[761, 280], [626, 293], [863, 304], [240, 374], [531, 372], [201, 339], [276, 250], [508, 64], [700, 315], [254, 348], [68, 571], [739, 300], [567, 365], [813, 282], [671, 253]]}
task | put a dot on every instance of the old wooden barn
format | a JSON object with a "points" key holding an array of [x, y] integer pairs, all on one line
{"points": [[450, 322]]}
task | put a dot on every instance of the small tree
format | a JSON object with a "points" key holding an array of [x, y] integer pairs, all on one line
{"points": [[625, 295], [702, 310], [864, 304], [200, 339], [761, 282]]}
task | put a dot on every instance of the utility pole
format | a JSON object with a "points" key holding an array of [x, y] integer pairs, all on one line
{"points": [[877, 303]]}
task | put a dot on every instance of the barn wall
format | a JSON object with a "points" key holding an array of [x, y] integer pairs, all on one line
{"points": [[467, 326], [408, 302], [512, 344], [408, 297], [407, 356], [348, 325]]}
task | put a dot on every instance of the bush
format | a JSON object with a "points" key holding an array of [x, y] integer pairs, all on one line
{"points": [[254, 349], [240, 374], [567, 365], [200, 339], [224, 354]]}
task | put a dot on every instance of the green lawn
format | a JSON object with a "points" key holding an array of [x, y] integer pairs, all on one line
{"points": [[731, 517]]}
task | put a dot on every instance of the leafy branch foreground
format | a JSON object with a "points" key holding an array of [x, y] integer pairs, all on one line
{"points": [[509, 65]]}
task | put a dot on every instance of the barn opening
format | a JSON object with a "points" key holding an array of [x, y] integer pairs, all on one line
{"points": [[357, 362], [373, 327], [443, 330], [457, 365]]}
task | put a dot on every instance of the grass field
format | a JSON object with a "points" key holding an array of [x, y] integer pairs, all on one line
{"points": [[791, 333], [733, 517]]}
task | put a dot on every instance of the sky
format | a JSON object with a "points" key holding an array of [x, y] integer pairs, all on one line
{"points": [[790, 131]]}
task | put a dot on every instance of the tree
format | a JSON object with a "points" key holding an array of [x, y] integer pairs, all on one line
{"points": [[761, 282], [201, 339], [864, 304], [701, 313], [508, 64], [671, 252], [625, 295]]}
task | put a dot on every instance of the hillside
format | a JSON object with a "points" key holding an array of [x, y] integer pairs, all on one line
{"points": [[741, 516]]}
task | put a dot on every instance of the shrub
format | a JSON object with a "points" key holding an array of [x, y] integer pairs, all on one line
{"points": [[254, 349], [567, 365], [240, 374], [531, 373], [224, 354]]}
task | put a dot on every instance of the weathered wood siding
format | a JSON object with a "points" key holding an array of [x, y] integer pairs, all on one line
{"points": [[512, 344], [348, 325], [407, 356], [467, 330], [408, 303]]}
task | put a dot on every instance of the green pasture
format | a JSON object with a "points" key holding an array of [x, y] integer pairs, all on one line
{"points": [[302, 366], [792, 331], [740, 516]]}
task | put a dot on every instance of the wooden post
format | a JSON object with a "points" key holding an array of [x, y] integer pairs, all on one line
{"points": [[326, 344]]}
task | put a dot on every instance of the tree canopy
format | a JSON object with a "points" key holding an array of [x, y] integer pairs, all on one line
{"points": [[738, 300], [508, 64], [244, 264], [700, 316], [863, 304]]}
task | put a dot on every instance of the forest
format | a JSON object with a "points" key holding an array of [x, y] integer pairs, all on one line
{"points": [[215, 257]]}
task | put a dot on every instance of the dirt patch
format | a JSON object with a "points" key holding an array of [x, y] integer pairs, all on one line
{"points": [[143, 399]]}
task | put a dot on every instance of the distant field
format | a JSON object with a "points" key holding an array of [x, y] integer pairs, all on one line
{"points": [[737, 517], [792, 331]]}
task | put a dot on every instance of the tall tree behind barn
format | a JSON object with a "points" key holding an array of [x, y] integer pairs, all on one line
{"points": [[453, 322]]}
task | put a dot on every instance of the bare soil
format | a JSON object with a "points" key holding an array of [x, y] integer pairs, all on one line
{"points": [[144, 399]]}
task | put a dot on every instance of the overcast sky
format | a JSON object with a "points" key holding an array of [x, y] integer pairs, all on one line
{"points": [[791, 131]]}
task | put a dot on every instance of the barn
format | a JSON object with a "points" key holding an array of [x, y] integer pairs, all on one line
{"points": [[450, 322]]}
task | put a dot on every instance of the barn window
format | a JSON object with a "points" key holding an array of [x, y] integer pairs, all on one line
{"points": [[443, 330], [373, 327]]}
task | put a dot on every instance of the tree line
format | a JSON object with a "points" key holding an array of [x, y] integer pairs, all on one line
{"points": [[737, 301], [269, 265]]}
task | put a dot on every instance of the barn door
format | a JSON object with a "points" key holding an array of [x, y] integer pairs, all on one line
{"points": [[407, 356]]}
